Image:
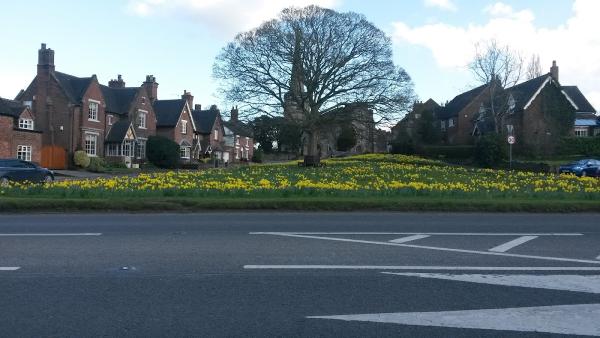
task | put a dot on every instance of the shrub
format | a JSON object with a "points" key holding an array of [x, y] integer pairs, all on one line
{"points": [[81, 159], [586, 146], [449, 152], [257, 157], [162, 152], [347, 139], [97, 165], [490, 150]]}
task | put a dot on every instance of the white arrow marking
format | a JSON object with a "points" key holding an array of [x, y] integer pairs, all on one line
{"points": [[9, 268], [408, 238], [514, 243], [578, 283], [580, 319]]}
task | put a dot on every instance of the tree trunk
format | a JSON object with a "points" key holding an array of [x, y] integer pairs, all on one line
{"points": [[312, 158]]}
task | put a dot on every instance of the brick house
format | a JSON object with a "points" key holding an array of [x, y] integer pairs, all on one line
{"points": [[239, 141], [587, 123], [78, 113], [409, 124], [19, 136], [210, 132], [175, 122]]}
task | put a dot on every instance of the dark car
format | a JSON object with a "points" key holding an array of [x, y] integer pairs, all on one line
{"points": [[20, 171], [588, 167]]}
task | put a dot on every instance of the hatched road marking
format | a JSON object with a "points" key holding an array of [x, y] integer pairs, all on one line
{"points": [[408, 238], [512, 244]]}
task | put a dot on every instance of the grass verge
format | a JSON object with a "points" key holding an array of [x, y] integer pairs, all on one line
{"points": [[16, 205]]}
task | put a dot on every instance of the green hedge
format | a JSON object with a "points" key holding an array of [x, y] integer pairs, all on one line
{"points": [[449, 152], [586, 146]]}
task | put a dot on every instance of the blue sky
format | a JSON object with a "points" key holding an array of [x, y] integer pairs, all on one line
{"points": [[177, 40]]}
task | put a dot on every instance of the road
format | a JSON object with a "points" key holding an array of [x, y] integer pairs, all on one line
{"points": [[266, 274]]}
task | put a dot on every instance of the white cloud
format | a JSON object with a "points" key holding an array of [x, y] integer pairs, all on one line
{"points": [[446, 5], [223, 16], [575, 44]]}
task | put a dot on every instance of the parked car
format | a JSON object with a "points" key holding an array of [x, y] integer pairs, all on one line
{"points": [[20, 171], [587, 167]]}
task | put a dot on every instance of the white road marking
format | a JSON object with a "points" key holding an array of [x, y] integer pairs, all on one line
{"points": [[51, 234], [409, 238], [487, 253], [9, 268], [579, 319], [577, 283], [427, 268], [514, 243], [423, 233]]}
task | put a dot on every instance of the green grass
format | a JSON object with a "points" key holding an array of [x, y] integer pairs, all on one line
{"points": [[11, 204]]}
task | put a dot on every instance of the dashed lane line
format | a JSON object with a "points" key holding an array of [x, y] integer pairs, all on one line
{"points": [[9, 268], [425, 233], [421, 268], [424, 247], [513, 244], [50, 234]]}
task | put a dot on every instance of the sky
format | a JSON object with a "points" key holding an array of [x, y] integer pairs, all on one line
{"points": [[178, 40]]}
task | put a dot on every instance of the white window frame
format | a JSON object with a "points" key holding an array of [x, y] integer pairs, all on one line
{"points": [[24, 152], [450, 123], [184, 126], [247, 142], [443, 125], [140, 147], [26, 124], [89, 140], [216, 135], [581, 131], [128, 148], [142, 119], [185, 152], [93, 108], [110, 120]]}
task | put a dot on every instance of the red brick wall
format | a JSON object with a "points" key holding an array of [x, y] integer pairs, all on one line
{"points": [[142, 102], [6, 134], [28, 138], [92, 94], [189, 135]]}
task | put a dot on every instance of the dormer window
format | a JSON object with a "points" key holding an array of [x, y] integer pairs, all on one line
{"points": [[26, 124], [93, 110]]}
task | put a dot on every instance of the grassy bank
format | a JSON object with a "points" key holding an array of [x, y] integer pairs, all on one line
{"points": [[12, 204]]}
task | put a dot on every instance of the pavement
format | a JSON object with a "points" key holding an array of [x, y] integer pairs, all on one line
{"points": [[267, 274], [78, 174]]}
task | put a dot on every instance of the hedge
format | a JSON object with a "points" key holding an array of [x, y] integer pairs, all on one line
{"points": [[449, 152], [586, 146]]}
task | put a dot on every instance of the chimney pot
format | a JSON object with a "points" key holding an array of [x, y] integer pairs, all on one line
{"points": [[197, 107], [554, 71]]}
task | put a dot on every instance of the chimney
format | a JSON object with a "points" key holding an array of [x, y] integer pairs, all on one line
{"points": [[554, 71], [151, 87], [118, 83], [198, 107], [214, 107], [234, 114], [45, 60], [189, 98]]}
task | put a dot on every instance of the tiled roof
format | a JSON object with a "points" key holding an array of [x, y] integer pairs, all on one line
{"points": [[523, 92], [118, 131], [239, 128], [459, 103], [11, 108], [74, 87], [205, 120], [119, 100], [579, 99], [168, 112]]}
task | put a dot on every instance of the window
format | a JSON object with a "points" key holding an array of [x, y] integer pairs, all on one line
{"points": [[142, 120], [511, 104], [443, 125], [237, 140], [26, 124], [27, 104], [216, 135], [451, 123], [93, 111], [141, 149], [247, 140], [183, 126], [185, 152], [581, 132], [113, 150], [24, 153], [110, 120], [91, 141], [128, 148]]}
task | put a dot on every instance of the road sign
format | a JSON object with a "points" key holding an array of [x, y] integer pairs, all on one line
{"points": [[511, 140]]}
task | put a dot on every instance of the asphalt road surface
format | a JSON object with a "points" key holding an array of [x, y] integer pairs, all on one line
{"points": [[299, 274]]}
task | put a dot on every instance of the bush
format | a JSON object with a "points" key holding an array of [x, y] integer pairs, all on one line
{"points": [[163, 152], [449, 152], [585, 146], [97, 165], [347, 139], [490, 150], [81, 159], [257, 157]]}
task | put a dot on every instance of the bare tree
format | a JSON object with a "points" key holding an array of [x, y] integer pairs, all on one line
{"points": [[498, 67], [318, 61], [534, 68]]}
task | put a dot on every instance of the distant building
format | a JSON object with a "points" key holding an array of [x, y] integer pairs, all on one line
{"points": [[175, 122], [239, 140]]}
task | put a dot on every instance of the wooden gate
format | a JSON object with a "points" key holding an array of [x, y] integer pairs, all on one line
{"points": [[54, 157]]}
